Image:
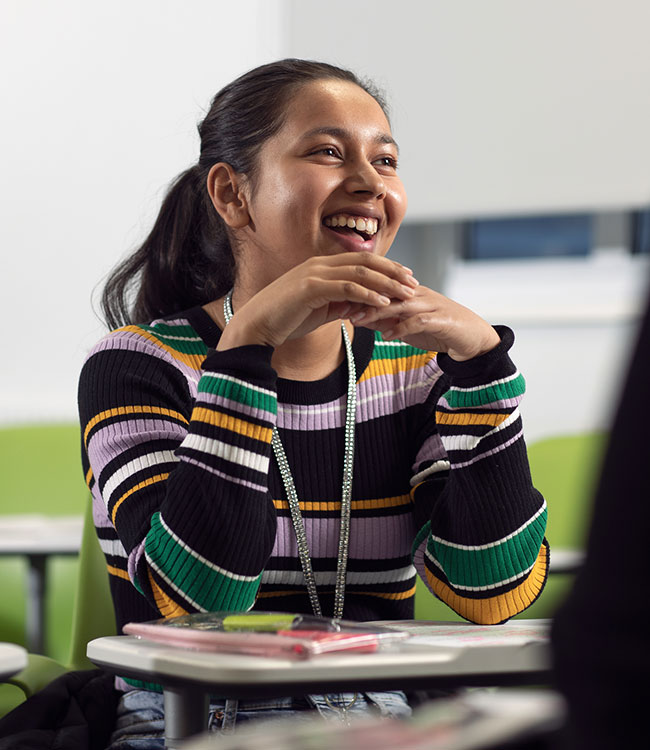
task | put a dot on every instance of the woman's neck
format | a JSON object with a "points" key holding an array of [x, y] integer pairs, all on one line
{"points": [[311, 357]]}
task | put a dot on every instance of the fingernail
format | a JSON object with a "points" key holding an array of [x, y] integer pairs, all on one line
{"points": [[409, 290], [358, 316], [384, 300], [412, 281], [388, 334]]}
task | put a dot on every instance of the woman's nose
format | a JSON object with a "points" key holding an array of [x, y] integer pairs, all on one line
{"points": [[364, 178]]}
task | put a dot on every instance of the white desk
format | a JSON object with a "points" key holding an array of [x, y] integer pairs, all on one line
{"points": [[37, 537], [566, 560], [188, 676], [13, 658]]}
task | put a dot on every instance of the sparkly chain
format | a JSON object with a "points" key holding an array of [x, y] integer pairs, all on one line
{"points": [[346, 490]]}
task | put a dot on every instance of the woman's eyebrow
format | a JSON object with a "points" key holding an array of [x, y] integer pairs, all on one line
{"points": [[344, 134]]}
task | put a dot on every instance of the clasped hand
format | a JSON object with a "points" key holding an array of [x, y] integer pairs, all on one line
{"points": [[369, 290]]}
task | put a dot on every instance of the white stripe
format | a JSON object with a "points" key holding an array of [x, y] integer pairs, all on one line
{"points": [[401, 344], [113, 547], [488, 586], [476, 547], [132, 467], [469, 442], [227, 451], [435, 467], [203, 560], [237, 381], [328, 578], [491, 384], [177, 338]]}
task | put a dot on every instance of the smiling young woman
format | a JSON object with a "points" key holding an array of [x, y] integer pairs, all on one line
{"points": [[286, 419]]}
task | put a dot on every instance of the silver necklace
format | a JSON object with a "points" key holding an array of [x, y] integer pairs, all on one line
{"points": [[346, 489]]}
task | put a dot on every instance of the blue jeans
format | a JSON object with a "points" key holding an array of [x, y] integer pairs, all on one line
{"points": [[141, 723]]}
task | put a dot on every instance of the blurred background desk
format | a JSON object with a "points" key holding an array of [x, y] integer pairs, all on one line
{"points": [[37, 537], [13, 658]]}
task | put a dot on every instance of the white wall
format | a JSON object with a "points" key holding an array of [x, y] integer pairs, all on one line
{"points": [[575, 321], [497, 105], [99, 109], [502, 106]]}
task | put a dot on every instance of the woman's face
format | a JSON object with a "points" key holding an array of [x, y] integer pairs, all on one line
{"points": [[325, 183]]}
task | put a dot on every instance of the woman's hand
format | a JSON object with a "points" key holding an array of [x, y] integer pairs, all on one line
{"points": [[318, 291], [430, 321]]}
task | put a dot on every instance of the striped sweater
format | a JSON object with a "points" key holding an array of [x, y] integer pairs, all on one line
{"points": [[189, 504]]}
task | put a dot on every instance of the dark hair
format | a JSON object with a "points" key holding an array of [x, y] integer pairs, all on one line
{"points": [[187, 259]]}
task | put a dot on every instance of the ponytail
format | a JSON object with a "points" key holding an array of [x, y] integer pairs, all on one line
{"points": [[185, 261]]}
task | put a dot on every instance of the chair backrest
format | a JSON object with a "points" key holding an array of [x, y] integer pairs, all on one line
{"points": [[93, 615], [40, 472]]}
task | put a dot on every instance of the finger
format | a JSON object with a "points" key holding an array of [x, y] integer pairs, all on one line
{"points": [[371, 279], [378, 263]]}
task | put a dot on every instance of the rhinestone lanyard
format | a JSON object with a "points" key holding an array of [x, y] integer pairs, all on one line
{"points": [[346, 490]]}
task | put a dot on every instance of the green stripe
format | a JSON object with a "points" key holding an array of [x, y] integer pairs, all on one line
{"points": [[202, 584], [239, 393], [164, 332], [491, 566], [153, 686], [460, 398], [397, 351]]}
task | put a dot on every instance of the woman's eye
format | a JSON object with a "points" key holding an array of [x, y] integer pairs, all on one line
{"points": [[387, 161], [327, 151]]}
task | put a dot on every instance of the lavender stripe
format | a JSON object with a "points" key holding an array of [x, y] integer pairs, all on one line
{"points": [[134, 559], [431, 450], [103, 447], [100, 515], [382, 537]]}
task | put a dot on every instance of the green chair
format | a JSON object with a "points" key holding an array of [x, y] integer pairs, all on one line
{"points": [[565, 470], [93, 616], [40, 472]]}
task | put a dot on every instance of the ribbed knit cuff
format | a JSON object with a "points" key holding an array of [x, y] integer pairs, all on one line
{"points": [[481, 367], [251, 363]]}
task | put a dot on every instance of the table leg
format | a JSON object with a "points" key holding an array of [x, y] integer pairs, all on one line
{"points": [[186, 713], [35, 618]]}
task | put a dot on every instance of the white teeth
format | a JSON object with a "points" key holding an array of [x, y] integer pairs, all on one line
{"points": [[369, 226]]}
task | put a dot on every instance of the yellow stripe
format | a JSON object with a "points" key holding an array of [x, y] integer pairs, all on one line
{"points": [[166, 606], [239, 426], [368, 504], [396, 596], [192, 360], [467, 418], [121, 410], [139, 486], [388, 366], [497, 608], [89, 477], [118, 572]]}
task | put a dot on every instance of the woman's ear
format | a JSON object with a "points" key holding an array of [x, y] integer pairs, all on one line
{"points": [[226, 189]]}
